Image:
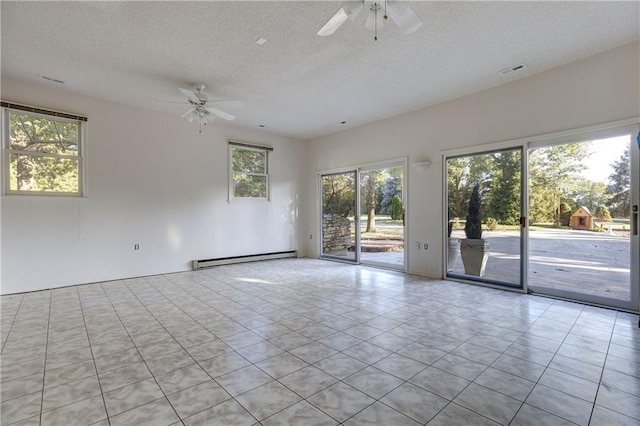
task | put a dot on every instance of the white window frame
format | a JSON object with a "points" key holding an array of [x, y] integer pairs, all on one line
{"points": [[7, 151], [233, 145]]}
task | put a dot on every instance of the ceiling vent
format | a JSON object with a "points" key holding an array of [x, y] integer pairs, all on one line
{"points": [[512, 69], [52, 79]]}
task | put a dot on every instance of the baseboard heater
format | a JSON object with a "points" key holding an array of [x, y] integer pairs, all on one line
{"points": [[207, 263]]}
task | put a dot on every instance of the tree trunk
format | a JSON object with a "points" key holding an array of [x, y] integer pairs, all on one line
{"points": [[24, 172], [371, 220]]}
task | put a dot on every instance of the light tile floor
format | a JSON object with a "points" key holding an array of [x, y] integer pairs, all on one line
{"points": [[311, 342]]}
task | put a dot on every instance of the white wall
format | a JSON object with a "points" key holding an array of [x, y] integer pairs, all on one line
{"points": [[152, 180], [599, 89]]}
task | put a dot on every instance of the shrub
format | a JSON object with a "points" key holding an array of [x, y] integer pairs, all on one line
{"points": [[473, 227], [492, 224], [396, 208], [603, 214]]}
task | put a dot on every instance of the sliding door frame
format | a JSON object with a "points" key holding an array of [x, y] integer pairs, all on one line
{"points": [[363, 167], [634, 284], [600, 131], [524, 212]]}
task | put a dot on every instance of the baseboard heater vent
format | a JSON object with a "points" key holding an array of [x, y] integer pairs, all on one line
{"points": [[207, 263]]}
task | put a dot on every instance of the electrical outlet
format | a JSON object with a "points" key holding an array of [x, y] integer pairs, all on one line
{"points": [[426, 246], [136, 246], [417, 245]]}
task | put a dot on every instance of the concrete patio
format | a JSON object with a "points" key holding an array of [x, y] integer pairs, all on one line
{"points": [[580, 261]]}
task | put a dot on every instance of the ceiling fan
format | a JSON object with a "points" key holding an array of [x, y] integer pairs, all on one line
{"points": [[378, 12], [201, 108]]}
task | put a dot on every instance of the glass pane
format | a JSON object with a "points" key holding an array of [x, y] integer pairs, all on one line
{"points": [[579, 208], [44, 174], [43, 135], [484, 209], [338, 215], [249, 161], [382, 220], [249, 186]]}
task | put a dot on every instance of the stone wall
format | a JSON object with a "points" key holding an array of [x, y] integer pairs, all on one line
{"points": [[336, 234]]}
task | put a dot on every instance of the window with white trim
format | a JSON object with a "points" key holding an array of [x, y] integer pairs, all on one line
{"points": [[43, 151], [249, 172]]}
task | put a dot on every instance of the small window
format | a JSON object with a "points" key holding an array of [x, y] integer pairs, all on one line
{"points": [[43, 154], [249, 169]]}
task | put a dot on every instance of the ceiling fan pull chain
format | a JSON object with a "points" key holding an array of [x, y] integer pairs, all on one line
{"points": [[385, 10], [375, 36]]}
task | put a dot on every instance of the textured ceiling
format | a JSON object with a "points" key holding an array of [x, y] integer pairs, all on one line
{"points": [[298, 84]]}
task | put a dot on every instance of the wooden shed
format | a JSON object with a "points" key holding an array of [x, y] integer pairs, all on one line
{"points": [[582, 219]]}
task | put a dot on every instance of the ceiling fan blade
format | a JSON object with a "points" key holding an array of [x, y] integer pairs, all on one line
{"points": [[188, 112], [334, 23], [348, 10], [404, 17], [227, 103], [190, 95], [170, 102], [221, 114]]}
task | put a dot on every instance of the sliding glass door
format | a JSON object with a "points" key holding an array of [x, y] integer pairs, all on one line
{"points": [[583, 240], [382, 216], [484, 205], [363, 215], [339, 215], [557, 217]]}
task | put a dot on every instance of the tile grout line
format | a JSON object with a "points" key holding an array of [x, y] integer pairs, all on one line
{"points": [[602, 374], [46, 353], [93, 358], [11, 325]]}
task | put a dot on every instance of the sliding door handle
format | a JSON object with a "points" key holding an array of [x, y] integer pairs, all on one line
{"points": [[634, 221]]}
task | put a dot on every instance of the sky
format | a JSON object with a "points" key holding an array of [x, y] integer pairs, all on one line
{"points": [[605, 152]]}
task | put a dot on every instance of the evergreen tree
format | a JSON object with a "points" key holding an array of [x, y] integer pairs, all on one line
{"points": [[619, 189], [397, 210], [473, 226]]}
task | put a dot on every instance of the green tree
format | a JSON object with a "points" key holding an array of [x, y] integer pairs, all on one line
{"points": [[589, 194], [504, 202], [397, 210], [602, 214], [619, 189], [391, 188], [554, 173], [457, 190]]}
